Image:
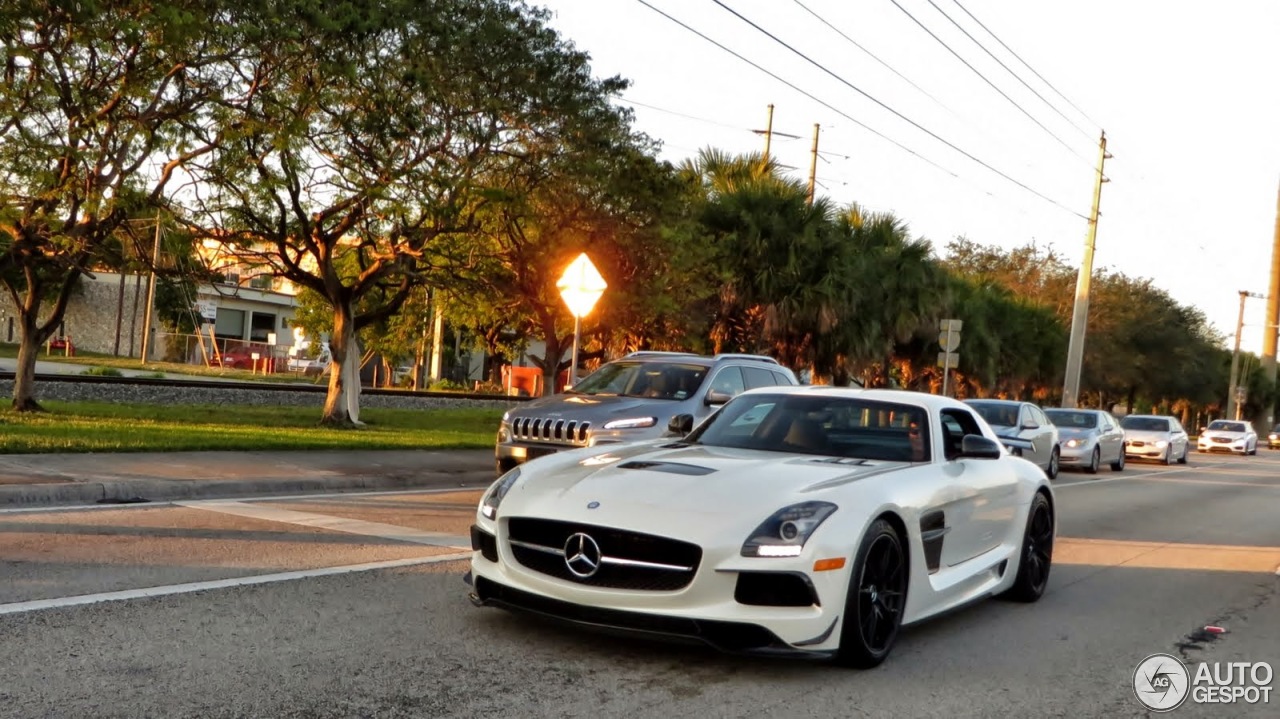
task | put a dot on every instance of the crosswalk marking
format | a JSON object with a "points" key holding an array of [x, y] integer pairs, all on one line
{"points": [[336, 524]]}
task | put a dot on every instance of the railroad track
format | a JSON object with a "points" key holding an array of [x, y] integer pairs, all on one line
{"points": [[254, 386]]}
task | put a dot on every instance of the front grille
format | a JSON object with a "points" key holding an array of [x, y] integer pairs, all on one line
{"points": [[628, 560], [774, 589], [1221, 440], [539, 429], [1136, 443]]}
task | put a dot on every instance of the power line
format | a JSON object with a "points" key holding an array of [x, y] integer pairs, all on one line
{"points": [[1006, 67], [1026, 64], [897, 114], [872, 55], [681, 114], [1002, 93], [806, 93]]}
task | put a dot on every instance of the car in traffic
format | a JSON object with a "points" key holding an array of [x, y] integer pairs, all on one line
{"points": [[632, 398], [1159, 437], [1235, 436], [1088, 438], [1273, 439], [1025, 429], [804, 520]]}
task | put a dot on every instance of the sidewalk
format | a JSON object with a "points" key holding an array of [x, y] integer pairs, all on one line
{"points": [[28, 480]]}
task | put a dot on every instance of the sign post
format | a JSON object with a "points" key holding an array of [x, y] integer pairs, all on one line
{"points": [[949, 340]]}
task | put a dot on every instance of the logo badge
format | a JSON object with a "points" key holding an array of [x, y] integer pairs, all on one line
{"points": [[1161, 682], [582, 555], [592, 505]]}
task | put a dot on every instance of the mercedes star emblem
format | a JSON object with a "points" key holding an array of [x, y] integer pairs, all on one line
{"points": [[582, 555]]}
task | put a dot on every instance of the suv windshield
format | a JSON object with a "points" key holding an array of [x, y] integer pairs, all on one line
{"points": [[828, 426], [1145, 424], [653, 380], [1227, 426], [997, 414], [1072, 419]]}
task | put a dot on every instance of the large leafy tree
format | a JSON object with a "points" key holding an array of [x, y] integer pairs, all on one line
{"points": [[372, 130], [95, 108]]}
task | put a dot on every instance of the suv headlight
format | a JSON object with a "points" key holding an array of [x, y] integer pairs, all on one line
{"points": [[632, 423], [492, 498], [784, 534]]}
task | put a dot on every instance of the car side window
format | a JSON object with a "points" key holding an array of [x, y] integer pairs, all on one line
{"points": [[781, 379], [760, 377], [1040, 417], [1027, 417], [729, 381], [956, 423]]}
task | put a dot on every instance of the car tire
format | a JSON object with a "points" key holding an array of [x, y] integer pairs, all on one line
{"points": [[1094, 461], [1118, 465], [1036, 558], [1168, 456], [1055, 464], [875, 599], [1183, 459]]}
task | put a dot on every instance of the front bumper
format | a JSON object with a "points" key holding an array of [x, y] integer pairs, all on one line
{"points": [[706, 611], [1075, 455], [1237, 447], [1146, 450]]}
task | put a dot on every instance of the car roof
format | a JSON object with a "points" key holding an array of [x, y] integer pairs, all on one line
{"points": [[695, 358], [1071, 409], [995, 401], [895, 396]]}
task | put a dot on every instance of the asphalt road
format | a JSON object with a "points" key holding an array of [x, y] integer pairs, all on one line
{"points": [[353, 606]]}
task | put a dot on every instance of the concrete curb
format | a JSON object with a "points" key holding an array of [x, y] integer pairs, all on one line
{"points": [[125, 491]]}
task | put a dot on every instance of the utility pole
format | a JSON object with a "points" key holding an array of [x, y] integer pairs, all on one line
{"points": [[813, 163], [768, 133], [1233, 390], [437, 338], [151, 296], [1273, 309], [1080, 313]]}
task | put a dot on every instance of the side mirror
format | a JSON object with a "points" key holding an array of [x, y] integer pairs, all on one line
{"points": [[1030, 425], [715, 397], [978, 447], [680, 425]]}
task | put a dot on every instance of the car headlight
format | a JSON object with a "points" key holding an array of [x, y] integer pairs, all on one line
{"points": [[1273, 435], [1073, 443], [1161, 444], [784, 533], [631, 423], [492, 498]]}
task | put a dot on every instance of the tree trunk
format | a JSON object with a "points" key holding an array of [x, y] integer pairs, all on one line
{"points": [[24, 376], [551, 364], [1133, 395], [342, 404]]}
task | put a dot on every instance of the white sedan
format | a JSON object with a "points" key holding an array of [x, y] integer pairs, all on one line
{"points": [[1226, 436], [807, 520]]}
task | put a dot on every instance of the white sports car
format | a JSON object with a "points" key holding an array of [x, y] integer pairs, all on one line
{"points": [[814, 520]]}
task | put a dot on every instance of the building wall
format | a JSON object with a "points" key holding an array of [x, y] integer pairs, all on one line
{"points": [[92, 313]]}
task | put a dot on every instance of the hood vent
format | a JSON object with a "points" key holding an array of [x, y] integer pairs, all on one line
{"points": [[691, 470]]}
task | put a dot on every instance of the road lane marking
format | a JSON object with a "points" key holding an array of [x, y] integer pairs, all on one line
{"points": [[337, 524], [167, 590], [1149, 474], [1220, 483], [1164, 555], [258, 498]]}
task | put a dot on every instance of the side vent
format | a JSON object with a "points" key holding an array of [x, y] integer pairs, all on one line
{"points": [[933, 528]]}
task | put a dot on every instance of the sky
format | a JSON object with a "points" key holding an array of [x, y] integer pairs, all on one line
{"points": [[1180, 88]]}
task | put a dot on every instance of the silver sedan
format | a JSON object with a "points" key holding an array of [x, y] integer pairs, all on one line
{"points": [[1088, 438]]}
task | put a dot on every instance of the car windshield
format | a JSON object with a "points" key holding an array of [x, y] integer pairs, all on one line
{"points": [[1226, 426], [1071, 419], [1145, 424], [821, 425], [997, 414], [654, 380]]}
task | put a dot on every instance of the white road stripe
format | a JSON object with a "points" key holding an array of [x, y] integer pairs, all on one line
{"points": [[1149, 474], [337, 524], [164, 591], [256, 498]]}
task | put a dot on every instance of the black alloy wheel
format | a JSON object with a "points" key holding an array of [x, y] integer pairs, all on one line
{"points": [[1037, 553], [876, 599]]}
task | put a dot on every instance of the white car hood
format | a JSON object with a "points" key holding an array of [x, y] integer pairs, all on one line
{"points": [[1223, 434], [1146, 435], [693, 492]]}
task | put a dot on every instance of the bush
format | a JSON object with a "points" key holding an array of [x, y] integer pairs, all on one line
{"points": [[103, 372]]}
